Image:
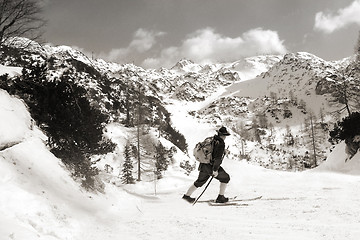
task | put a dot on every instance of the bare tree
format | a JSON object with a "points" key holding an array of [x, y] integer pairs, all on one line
{"points": [[20, 18], [357, 50], [343, 94], [347, 89], [313, 139], [346, 85], [244, 133], [138, 126]]}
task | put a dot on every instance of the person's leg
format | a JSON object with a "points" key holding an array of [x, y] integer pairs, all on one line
{"points": [[200, 181], [222, 188], [191, 189], [224, 179], [223, 176], [205, 171]]}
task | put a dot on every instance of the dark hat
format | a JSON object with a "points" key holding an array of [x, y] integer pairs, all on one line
{"points": [[223, 131]]}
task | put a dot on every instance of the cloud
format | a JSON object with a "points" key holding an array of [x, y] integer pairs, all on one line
{"points": [[208, 46], [329, 23], [143, 40]]}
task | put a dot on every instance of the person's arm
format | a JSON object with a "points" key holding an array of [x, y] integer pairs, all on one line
{"points": [[218, 155]]}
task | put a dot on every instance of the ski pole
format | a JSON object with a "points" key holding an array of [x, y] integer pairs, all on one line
{"points": [[204, 190], [222, 157]]}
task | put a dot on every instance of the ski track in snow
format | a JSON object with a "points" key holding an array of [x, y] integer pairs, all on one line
{"points": [[315, 206]]}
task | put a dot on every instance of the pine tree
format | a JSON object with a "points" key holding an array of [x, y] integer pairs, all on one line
{"points": [[256, 130], [127, 173], [187, 166], [161, 161], [262, 120], [289, 138], [348, 129], [74, 127]]}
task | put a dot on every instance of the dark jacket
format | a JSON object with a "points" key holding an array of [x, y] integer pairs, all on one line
{"points": [[218, 152]]}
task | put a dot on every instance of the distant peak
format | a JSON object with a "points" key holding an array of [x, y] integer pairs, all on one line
{"points": [[182, 63]]}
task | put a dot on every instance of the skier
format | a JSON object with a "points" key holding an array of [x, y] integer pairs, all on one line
{"points": [[213, 169]]}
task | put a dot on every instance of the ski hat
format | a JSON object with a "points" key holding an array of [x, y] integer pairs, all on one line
{"points": [[223, 131]]}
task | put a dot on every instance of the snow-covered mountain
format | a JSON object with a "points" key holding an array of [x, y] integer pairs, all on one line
{"points": [[281, 100], [266, 103], [185, 74], [283, 89], [39, 199]]}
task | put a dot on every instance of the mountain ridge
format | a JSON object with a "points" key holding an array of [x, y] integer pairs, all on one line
{"points": [[281, 88]]}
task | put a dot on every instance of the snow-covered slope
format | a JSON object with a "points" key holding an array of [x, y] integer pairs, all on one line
{"points": [[11, 71], [284, 89], [296, 74], [283, 98], [186, 80], [15, 120], [340, 162], [39, 200]]}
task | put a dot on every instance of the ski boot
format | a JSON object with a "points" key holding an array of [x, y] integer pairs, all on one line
{"points": [[188, 199], [221, 199]]}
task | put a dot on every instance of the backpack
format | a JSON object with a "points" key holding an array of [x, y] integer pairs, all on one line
{"points": [[203, 150]]}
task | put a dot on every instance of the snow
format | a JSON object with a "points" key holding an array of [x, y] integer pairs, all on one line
{"points": [[15, 120], [340, 162], [39, 200], [12, 71]]}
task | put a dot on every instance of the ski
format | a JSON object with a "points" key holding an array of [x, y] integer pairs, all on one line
{"points": [[213, 200], [228, 204], [245, 199], [233, 199]]}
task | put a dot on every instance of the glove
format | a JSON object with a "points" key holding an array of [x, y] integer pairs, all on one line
{"points": [[215, 174]]}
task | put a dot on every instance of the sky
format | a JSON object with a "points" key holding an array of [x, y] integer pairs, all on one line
{"points": [[158, 33]]}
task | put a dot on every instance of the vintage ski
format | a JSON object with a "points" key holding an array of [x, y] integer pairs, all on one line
{"points": [[234, 199], [245, 199], [227, 204]]}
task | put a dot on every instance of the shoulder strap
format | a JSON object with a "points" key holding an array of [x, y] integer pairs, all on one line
{"points": [[214, 141]]}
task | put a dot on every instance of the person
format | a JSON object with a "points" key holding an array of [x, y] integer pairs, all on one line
{"points": [[206, 170]]}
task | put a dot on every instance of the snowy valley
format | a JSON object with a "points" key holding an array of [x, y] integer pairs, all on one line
{"points": [[266, 102]]}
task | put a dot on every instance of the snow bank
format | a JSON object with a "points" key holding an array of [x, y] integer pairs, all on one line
{"points": [[338, 161], [11, 71], [15, 120], [39, 199], [353, 165]]}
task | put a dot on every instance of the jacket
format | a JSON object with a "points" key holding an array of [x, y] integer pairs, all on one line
{"points": [[218, 152]]}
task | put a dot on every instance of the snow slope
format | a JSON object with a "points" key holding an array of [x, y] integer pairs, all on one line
{"points": [[39, 200], [11, 71]]}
